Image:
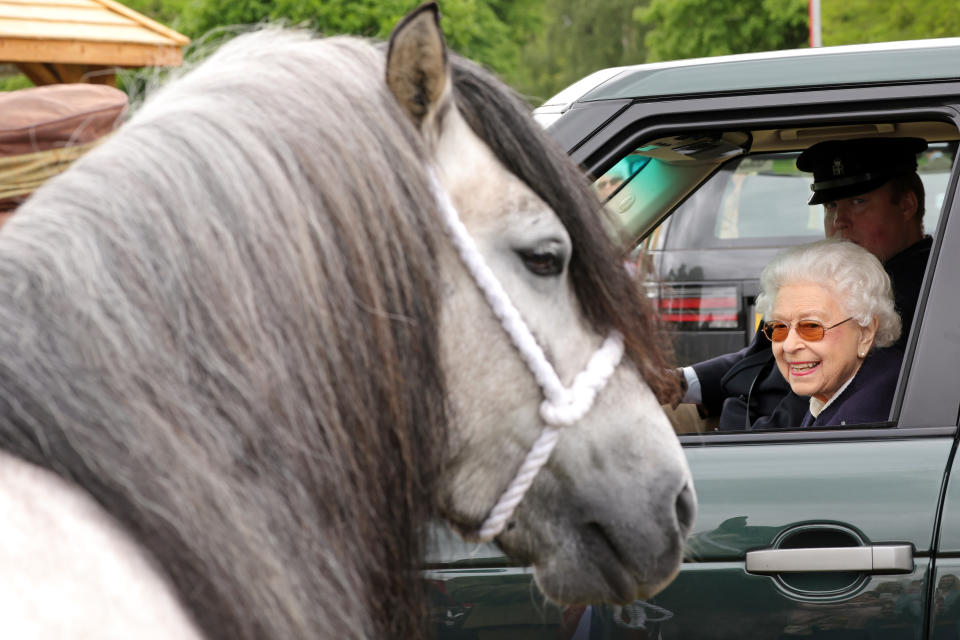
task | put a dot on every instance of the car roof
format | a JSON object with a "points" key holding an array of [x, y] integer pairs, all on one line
{"points": [[877, 63]]}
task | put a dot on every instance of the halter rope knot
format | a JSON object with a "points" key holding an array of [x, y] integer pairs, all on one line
{"points": [[562, 407], [569, 405]]}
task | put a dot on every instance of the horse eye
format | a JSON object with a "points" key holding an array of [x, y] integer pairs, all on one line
{"points": [[542, 263]]}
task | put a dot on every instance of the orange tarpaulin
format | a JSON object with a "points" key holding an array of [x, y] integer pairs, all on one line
{"points": [[55, 41]]}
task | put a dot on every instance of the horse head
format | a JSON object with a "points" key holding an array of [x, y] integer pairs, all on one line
{"points": [[607, 516]]}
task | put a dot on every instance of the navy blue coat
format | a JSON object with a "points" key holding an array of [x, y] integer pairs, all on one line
{"points": [[727, 382], [868, 396]]}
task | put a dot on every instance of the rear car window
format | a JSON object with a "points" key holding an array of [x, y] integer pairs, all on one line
{"points": [[752, 201], [760, 201]]}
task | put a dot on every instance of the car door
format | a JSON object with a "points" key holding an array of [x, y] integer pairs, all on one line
{"points": [[800, 534], [821, 534], [945, 581], [862, 511], [936, 350]]}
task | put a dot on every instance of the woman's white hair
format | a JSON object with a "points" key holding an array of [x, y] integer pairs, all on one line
{"points": [[860, 282]]}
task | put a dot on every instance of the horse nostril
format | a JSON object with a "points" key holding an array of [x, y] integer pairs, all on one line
{"points": [[686, 508]]}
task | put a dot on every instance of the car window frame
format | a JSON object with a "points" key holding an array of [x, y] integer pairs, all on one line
{"points": [[916, 410]]}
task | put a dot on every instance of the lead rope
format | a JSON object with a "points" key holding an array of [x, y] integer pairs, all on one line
{"points": [[561, 407]]}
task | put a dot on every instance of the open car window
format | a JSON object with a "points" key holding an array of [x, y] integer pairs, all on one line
{"points": [[704, 226]]}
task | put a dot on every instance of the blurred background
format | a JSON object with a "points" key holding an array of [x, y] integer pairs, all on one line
{"points": [[541, 46]]}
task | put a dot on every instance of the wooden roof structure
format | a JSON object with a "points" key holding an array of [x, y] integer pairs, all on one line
{"points": [[54, 41]]}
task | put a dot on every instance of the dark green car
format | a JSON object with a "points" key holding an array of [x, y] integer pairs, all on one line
{"points": [[847, 532]]}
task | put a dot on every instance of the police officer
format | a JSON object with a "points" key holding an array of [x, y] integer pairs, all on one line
{"points": [[872, 196]]}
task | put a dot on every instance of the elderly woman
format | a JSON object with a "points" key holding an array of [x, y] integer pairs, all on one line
{"points": [[829, 312]]}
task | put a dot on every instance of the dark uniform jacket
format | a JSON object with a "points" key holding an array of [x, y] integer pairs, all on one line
{"points": [[729, 382], [868, 396]]}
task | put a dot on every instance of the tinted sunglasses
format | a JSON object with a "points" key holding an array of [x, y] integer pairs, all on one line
{"points": [[809, 330]]}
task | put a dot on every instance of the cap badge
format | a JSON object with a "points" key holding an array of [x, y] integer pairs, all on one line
{"points": [[837, 167]]}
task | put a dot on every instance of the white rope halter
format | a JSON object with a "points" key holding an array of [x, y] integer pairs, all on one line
{"points": [[561, 407]]}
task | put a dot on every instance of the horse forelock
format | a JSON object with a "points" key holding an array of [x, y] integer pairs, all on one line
{"points": [[609, 297], [241, 284]]}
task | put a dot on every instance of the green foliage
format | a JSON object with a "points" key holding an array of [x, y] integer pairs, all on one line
{"points": [[488, 31], [491, 32], [542, 46], [575, 40], [14, 82], [857, 21], [696, 28], [360, 17]]}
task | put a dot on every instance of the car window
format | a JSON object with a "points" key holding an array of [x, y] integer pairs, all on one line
{"points": [[934, 166], [753, 201], [700, 262], [763, 199]]}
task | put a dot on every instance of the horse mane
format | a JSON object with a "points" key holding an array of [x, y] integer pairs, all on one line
{"points": [[213, 295], [608, 295]]}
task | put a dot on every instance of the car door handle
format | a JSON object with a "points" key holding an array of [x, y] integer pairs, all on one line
{"points": [[888, 558]]}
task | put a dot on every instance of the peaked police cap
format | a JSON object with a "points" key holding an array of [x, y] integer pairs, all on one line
{"points": [[847, 168]]}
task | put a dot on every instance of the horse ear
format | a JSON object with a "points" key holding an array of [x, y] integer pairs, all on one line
{"points": [[418, 73]]}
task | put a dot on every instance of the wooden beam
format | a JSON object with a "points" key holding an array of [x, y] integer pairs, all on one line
{"points": [[99, 53], [41, 73]]}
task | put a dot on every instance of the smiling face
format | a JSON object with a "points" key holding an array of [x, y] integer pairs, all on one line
{"points": [[874, 221], [819, 368]]}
